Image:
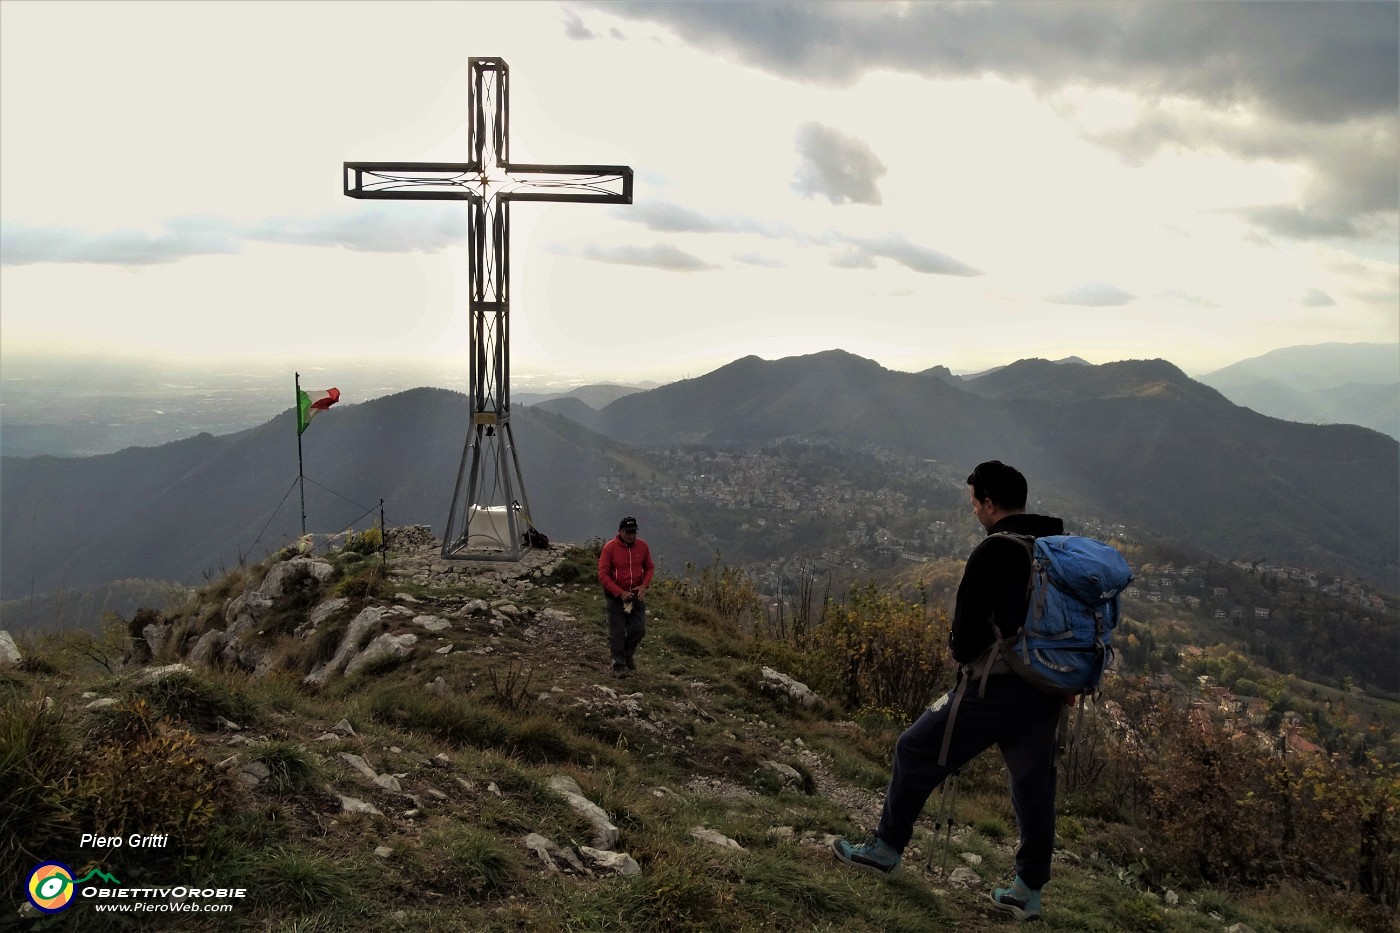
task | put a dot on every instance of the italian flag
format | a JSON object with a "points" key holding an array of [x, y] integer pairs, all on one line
{"points": [[308, 403]]}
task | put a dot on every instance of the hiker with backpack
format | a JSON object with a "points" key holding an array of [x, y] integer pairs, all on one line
{"points": [[995, 701]]}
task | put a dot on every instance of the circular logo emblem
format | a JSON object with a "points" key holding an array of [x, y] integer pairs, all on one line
{"points": [[50, 887]]}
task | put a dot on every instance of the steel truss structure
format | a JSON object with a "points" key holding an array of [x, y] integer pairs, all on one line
{"points": [[490, 511]]}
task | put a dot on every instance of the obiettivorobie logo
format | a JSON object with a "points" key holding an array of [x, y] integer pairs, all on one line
{"points": [[50, 887]]}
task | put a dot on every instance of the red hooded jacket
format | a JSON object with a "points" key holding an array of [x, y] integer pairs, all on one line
{"points": [[622, 569]]}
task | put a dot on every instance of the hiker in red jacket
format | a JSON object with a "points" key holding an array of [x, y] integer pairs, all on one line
{"points": [[625, 570]]}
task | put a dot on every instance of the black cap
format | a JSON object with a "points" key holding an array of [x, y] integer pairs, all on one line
{"points": [[627, 524]]}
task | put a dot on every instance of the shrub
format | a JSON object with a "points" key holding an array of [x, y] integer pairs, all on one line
{"points": [[450, 718], [291, 769], [304, 880], [364, 584], [510, 690], [579, 563], [194, 698], [156, 783], [878, 651], [480, 863], [370, 541], [34, 757], [726, 591]]}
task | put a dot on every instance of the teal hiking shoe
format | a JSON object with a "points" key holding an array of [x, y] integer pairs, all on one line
{"points": [[1021, 901], [871, 855]]}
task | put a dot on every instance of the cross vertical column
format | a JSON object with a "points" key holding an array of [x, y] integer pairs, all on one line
{"points": [[490, 510]]}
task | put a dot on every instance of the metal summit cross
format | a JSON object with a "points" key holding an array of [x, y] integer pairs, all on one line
{"points": [[490, 511]]}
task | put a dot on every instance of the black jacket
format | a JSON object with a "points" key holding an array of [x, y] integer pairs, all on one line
{"points": [[994, 585]]}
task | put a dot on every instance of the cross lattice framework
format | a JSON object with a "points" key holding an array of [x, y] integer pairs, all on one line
{"points": [[490, 509]]}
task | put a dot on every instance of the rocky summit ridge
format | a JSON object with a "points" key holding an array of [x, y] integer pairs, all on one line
{"points": [[456, 729]]}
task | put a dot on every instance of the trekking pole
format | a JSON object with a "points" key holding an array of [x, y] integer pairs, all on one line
{"points": [[944, 821]]}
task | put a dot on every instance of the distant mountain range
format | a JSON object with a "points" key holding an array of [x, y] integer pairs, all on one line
{"points": [[1331, 383], [180, 510], [1135, 442], [594, 396]]}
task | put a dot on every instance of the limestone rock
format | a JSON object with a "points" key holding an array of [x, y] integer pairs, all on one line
{"points": [[321, 613], [716, 838], [243, 613], [370, 619], [156, 635], [253, 773], [606, 834], [789, 775], [432, 623], [544, 849], [619, 862], [9, 651], [782, 685], [385, 646], [965, 877], [209, 646], [359, 764], [274, 585], [355, 805], [154, 674]]}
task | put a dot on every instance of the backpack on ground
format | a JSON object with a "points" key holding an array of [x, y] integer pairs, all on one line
{"points": [[1066, 640]]}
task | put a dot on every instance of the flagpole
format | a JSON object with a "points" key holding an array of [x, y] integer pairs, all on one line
{"points": [[301, 477]]}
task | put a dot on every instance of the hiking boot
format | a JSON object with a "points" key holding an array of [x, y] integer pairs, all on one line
{"points": [[1021, 901], [871, 855], [619, 671], [631, 664]]}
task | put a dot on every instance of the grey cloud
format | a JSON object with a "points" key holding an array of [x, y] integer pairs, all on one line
{"points": [[575, 29], [667, 217], [1351, 181], [414, 228], [659, 256], [855, 253], [1301, 223], [758, 259], [835, 166], [1287, 56], [849, 252], [1199, 301], [1316, 298], [407, 228], [1299, 66], [183, 238], [1093, 295]]}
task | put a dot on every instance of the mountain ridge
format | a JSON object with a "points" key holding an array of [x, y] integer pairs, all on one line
{"points": [[1136, 442]]}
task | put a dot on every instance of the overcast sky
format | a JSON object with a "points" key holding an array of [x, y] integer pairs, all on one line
{"points": [[919, 183]]}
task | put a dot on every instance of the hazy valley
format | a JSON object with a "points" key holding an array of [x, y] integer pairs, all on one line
{"points": [[828, 462]]}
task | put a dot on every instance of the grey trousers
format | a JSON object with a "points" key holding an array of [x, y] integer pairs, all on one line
{"points": [[625, 629]]}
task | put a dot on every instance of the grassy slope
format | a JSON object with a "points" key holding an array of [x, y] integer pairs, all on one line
{"points": [[682, 744]]}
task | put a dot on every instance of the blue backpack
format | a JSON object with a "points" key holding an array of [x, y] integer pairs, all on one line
{"points": [[1066, 640]]}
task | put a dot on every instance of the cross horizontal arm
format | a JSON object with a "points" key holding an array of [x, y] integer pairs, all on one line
{"points": [[606, 184]]}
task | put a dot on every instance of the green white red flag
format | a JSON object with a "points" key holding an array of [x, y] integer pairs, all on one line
{"points": [[308, 403]]}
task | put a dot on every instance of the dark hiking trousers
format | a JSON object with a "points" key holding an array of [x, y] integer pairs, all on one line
{"points": [[1013, 715], [625, 629]]}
